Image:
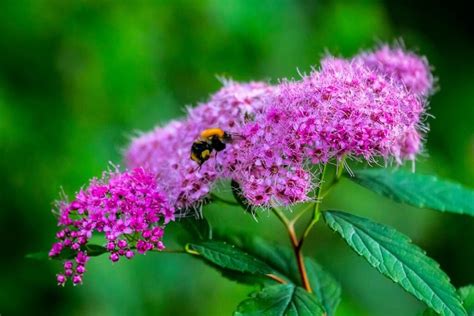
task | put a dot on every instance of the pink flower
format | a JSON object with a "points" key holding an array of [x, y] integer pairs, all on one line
{"points": [[413, 72], [121, 205], [404, 66], [61, 279]]}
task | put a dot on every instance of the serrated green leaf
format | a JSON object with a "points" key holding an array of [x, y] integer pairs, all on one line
{"points": [[95, 250], [418, 190], [245, 278], [467, 296], [393, 254], [326, 289], [197, 228], [279, 300], [282, 261], [230, 257], [241, 277]]}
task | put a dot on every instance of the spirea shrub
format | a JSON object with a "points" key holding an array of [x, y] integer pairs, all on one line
{"points": [[281, 148]]}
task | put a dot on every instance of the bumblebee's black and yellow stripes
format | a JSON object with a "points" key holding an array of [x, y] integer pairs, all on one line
{"points": [[200, 151], [210, 139]]}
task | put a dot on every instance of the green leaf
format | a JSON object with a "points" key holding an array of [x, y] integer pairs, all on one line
{"points": [[193, 229], [230, 257], [467, 296], [197, 228], [249, 259], [393, 254], [245, 278], [95, 250], [285, 299], [282, 261], [231, 273], [418, 190], [67, 253], [326, 289]]}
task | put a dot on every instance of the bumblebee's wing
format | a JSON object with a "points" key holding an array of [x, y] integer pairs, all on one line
{"points": [[230, 137]]}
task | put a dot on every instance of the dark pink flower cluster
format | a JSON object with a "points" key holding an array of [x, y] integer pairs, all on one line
{"points": [[166, 150], [366, 107], [127, 207]]}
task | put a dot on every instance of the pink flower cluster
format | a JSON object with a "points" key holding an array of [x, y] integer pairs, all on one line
{"points": [[369, 106], [127, 207], [346, 108], [166, 150], [343, 109]]}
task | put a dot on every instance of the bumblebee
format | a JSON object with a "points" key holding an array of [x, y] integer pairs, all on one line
{"points": [[210, 139]]}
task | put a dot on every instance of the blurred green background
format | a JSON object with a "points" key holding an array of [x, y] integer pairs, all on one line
{"points": [[78, 77]]}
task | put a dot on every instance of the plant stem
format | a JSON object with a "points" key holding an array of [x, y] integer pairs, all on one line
{"points": [[316, 212], [173, 250], [298, 243], [276, 278], [337, 177], [290, 225], [296, 247], [302, 268], [301, 213], [187, 249]]}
